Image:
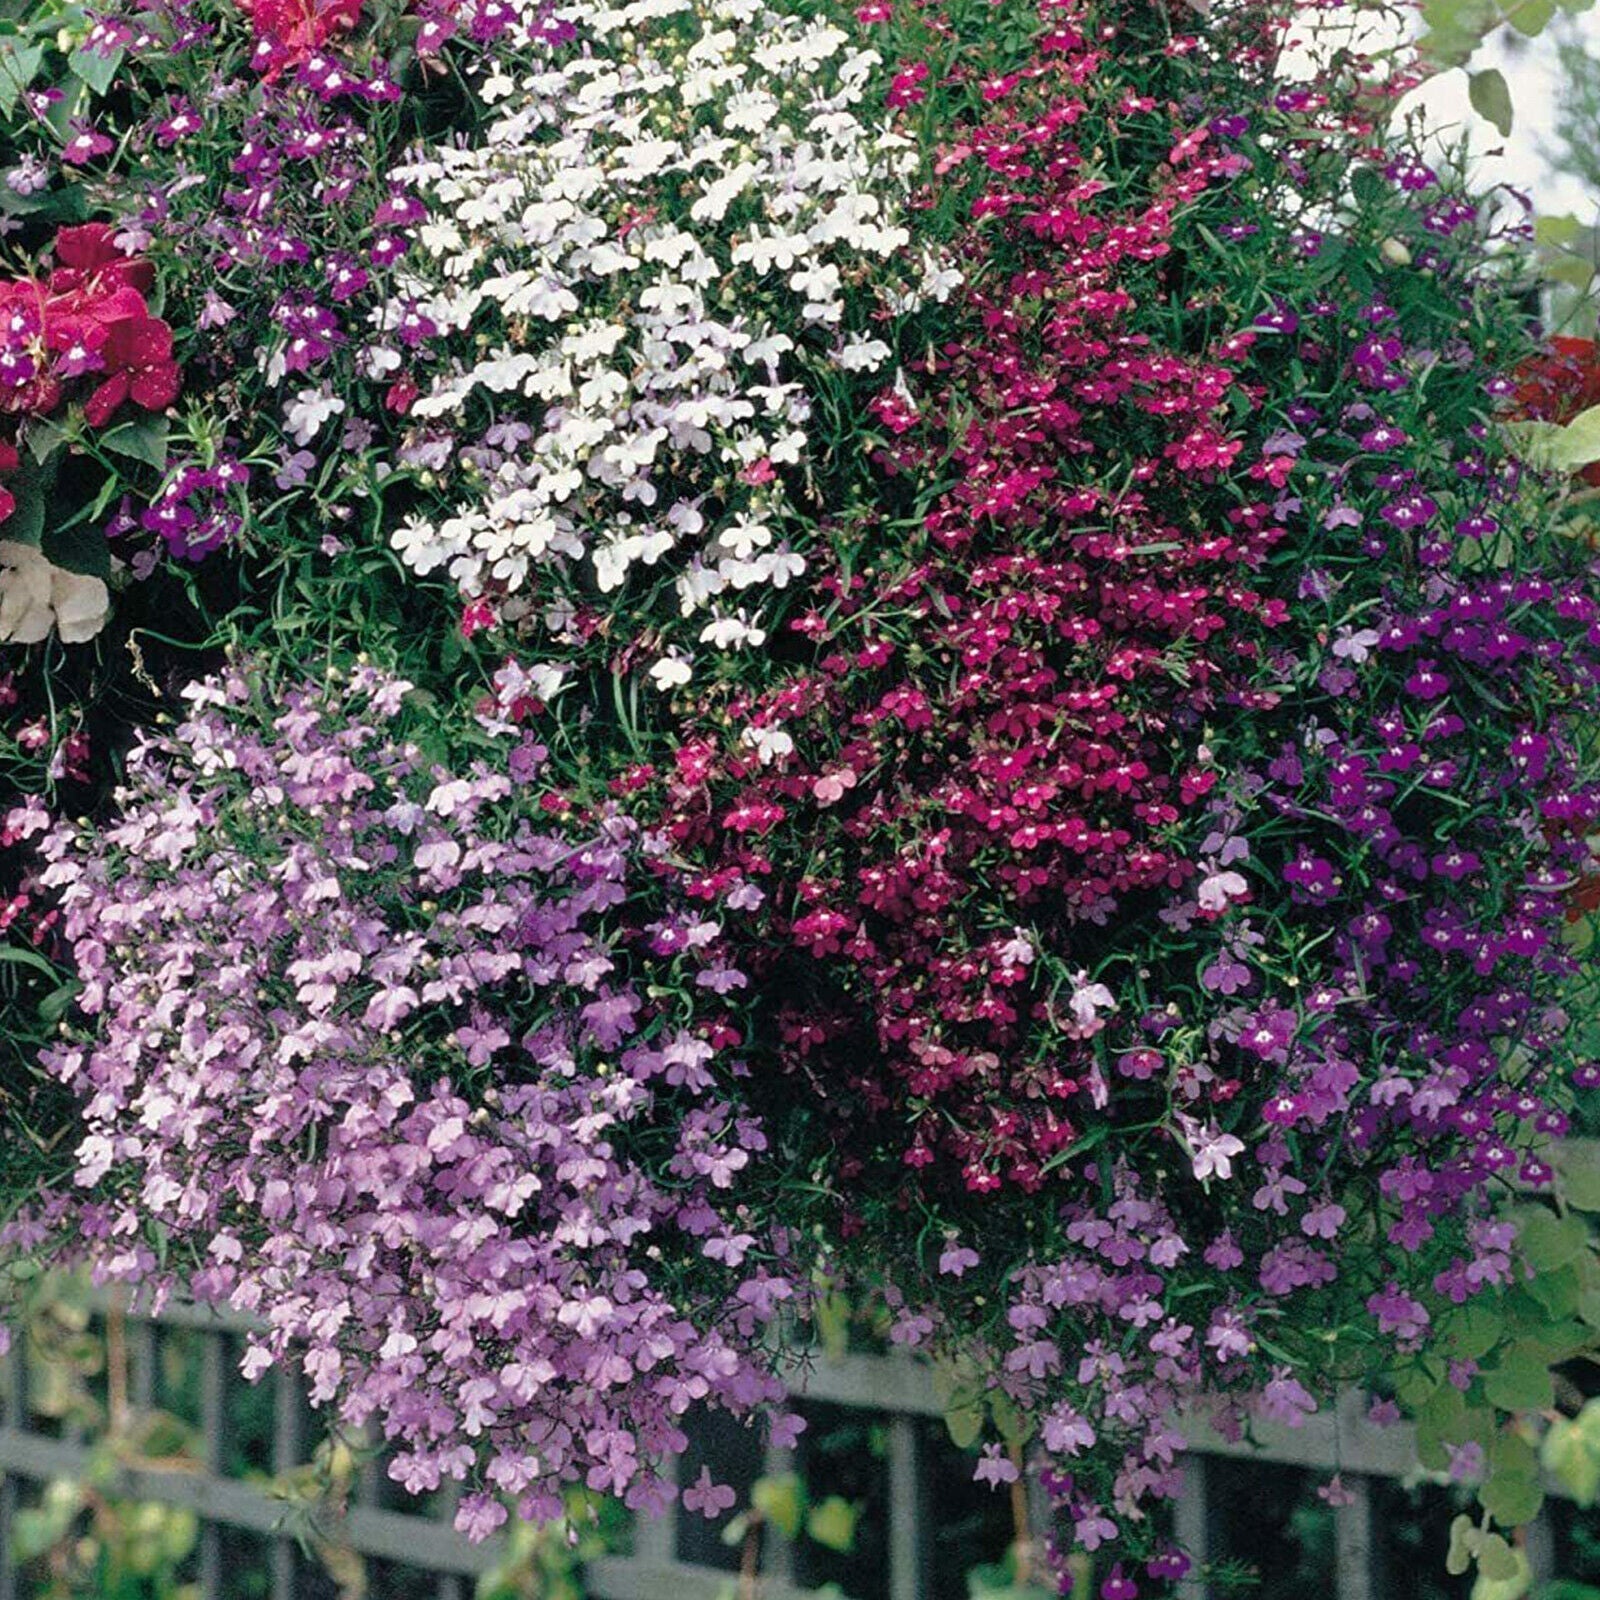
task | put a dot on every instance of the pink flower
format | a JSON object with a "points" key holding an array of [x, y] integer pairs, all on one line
{"points": [[996, 1467], [708, 1498]]}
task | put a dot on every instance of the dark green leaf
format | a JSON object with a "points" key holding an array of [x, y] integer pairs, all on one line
{"points": [[44, 437], [78, 546], [1491, 98], [30, 484], [142, 439]]}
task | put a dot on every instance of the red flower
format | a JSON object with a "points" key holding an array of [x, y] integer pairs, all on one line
{"points": [[1559, 383], [138, 354], [89, 259], [288, 31]]}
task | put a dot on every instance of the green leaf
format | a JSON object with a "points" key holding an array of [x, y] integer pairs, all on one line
{"points": [[1549, 1242], [1561, 1341], [1473, 1332], [1511, 1499], [94, 69], [1569, 1457], [61, 113], [58, 1002], [833, 1523], [141, 439], [26, 958], [1519, 1383], [964, 1424], [778, 1499], [1503, 1573], [1491, 98], [1511, 1493], [1439, 1423], [1579, 443], [78, 546], [1368, 185], [1009, 1421], [44, 437], [30, 484], [18, 63], [1580, 1177], [1530, 17], [1413, 1390]]}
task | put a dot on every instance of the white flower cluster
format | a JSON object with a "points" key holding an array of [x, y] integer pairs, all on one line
{"points": [[655, 246]]}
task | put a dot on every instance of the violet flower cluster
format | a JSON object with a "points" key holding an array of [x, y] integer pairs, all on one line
{"points": [[368, 1064]]}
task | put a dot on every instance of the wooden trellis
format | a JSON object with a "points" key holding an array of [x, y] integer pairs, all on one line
{"points": [[897, 1391]]}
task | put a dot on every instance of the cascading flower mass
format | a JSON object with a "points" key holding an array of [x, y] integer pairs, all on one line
{"points": [[971, 699]]}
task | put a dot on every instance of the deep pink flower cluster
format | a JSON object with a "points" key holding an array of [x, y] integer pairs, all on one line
{"points": [[368, 1065], [1165, 822]]}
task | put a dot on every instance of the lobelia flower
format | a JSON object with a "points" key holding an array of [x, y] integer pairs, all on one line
{"points": [[461, 1265]]}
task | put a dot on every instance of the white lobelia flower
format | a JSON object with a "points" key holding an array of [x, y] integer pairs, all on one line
{"points": [[652, 253], [1086, 1002], [1210, 1149], [1220, 889], [672, 671], [309, 411], [769, 744]]}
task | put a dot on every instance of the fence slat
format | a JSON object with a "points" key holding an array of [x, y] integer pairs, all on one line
{"points": [[14, 1409], [288, 1445], [777, 1553], [1192, 1525], [655, 1539], [1353, 1542], [141, 1337], [909, 1531], [1539, 1546], [213, 1425]]}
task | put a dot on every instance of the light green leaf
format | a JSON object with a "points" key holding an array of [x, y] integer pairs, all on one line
{"points": [[1491, 98], [1536, 442], [1465, 1538], [1579, 444], [833, 1523], [18, 63], [1503, 1573], [778, 1499], [1557, 232], [1568, 1455], [94, 69]]}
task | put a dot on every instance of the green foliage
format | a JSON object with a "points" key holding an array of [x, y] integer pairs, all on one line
{"points": [[1491, 98], [1571, 1453]]}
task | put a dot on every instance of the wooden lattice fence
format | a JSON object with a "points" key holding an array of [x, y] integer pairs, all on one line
{"points": [[897, 1392]]}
